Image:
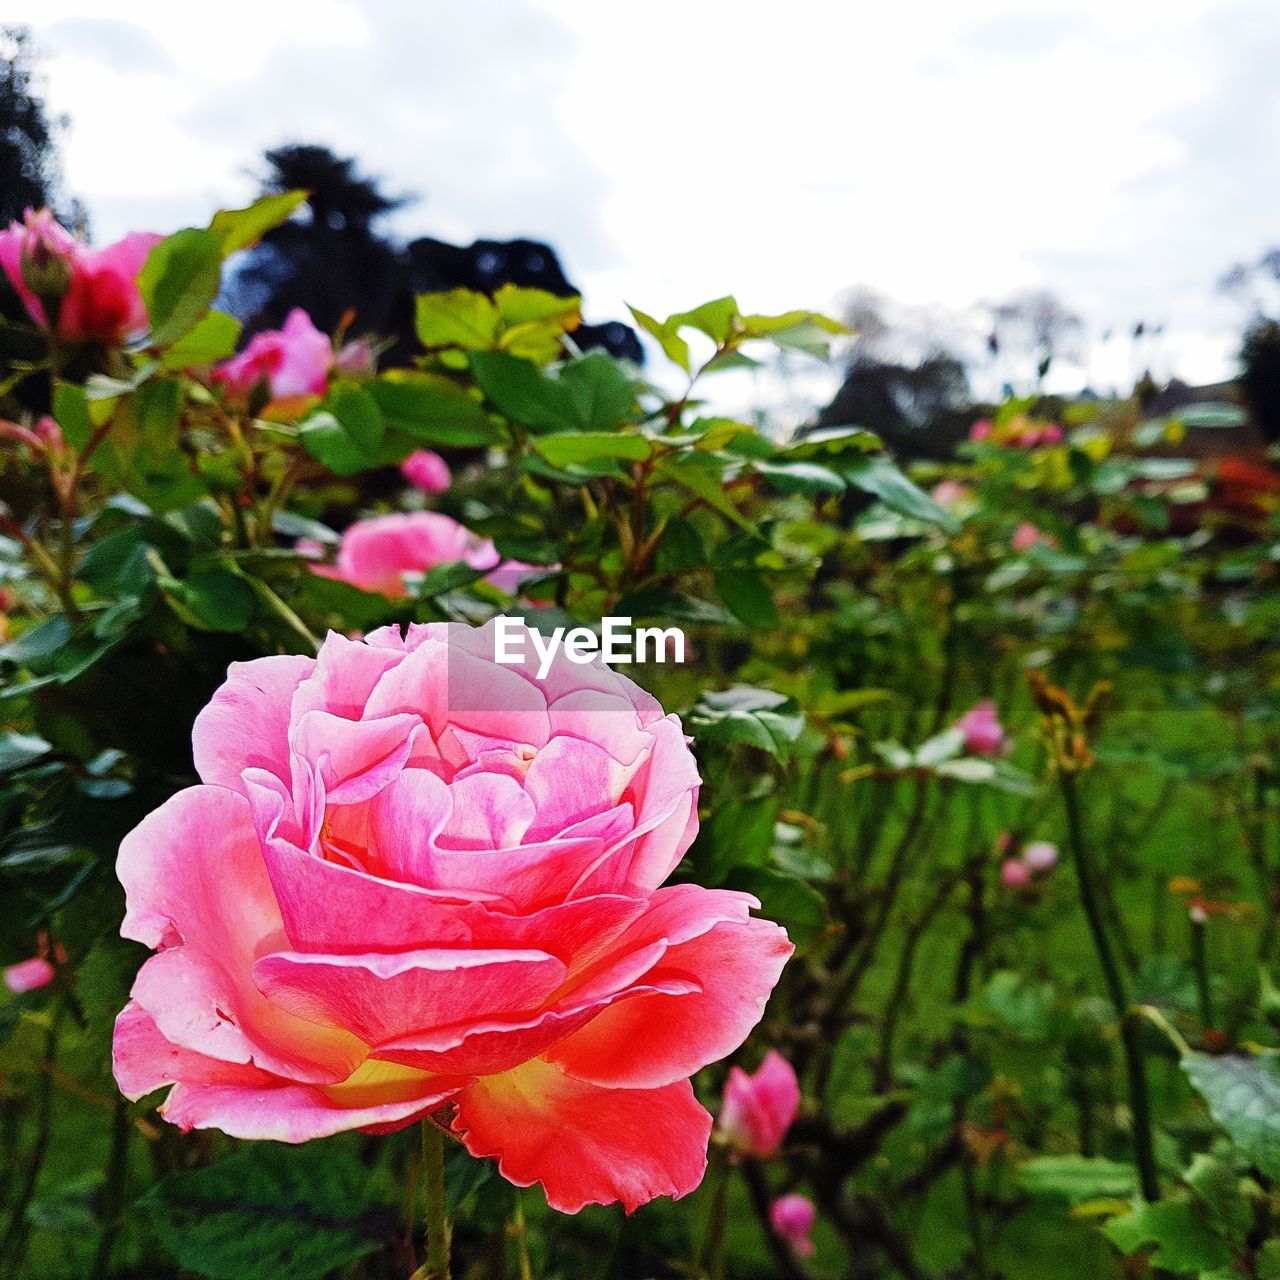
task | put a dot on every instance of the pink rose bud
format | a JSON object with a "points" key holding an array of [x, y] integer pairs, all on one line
{"points": [[292, 361], [792, 1217], [96, 290], [983, 733], [416, 880], [427, 471], [1040, 855], [758, 1109], [1014, 873], [29, 975], [980, 430], [1025, 536]]}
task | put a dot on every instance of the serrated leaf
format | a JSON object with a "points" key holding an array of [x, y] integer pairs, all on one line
{"points": [[431, 408], [270, 1212], [179, 281], [345, 431], [243, 228], [213, 338], [578, 447], [459, 318]]}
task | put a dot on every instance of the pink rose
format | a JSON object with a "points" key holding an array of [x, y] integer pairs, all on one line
{"points": [[1015, 874], [292, 361], [1025, 536], [29, 975], [983, 733], [792, 1217], [980, 430], [1040, 855], [758, 1110], [95, 290], [376, 554], [415, 882], [426, 471]]}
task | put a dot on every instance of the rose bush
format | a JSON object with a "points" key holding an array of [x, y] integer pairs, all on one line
{"points": [[413, 878]]}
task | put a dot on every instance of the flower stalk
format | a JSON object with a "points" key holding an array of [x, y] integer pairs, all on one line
{"points": [[436, 1266]]}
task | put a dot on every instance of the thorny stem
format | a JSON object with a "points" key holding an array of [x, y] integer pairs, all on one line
{"points": [[1130, 1031]]}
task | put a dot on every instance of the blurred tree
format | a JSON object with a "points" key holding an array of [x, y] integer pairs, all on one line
{"points": [[28, 151], [333, 257], [1260, 374]]}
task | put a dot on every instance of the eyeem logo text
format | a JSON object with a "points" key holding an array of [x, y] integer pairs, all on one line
{"points": [[618, 641]]}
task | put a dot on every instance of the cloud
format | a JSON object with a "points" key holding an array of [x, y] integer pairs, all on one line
{"points": [[125, 46]]}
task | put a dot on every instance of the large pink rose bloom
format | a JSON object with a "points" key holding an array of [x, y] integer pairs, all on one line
{"points": [[292, 361], [376, 554], [101, 301], [414, 879]]}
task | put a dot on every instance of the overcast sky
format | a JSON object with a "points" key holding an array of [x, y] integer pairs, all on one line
{"points": [[1121, 153]]}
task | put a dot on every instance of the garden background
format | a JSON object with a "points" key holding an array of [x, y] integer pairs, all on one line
{"points": [[982, 607]]}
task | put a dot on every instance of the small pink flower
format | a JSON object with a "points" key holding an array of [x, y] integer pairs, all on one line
{"points": [[292, 361], [948, 493], [427, 471], [1015, 874], [29, 975], [1040, 855], [376, 554], [980, 430], [792, 1217], [758, 1109], [96, 290], [355, 358], [1025, 536], [983, 733]]}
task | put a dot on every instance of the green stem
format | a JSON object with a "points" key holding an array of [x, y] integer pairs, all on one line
{"points": [[1130, 1029], [117, 1175], [1200, 965], [436, 1266]]}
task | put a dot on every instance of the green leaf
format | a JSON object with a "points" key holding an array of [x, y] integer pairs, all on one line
{"points": [[431, 408], [1078, 1178], [270, 1212], [345, 431], [758, 717], [459, 318], [716, 319], [522, 393], [1244, 1098], [747, 597], [570, 448], [740, 833], [179, 281], [707, 484], [217, 600], [1180, 1240], [213, 338], [243, 228], [18, 749], [881, 477], [786, 900], [71, 413], [809, 478], [674, 347], [602, 395]]}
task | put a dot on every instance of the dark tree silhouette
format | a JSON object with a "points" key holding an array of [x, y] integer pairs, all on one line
{"points": [[333, 257], [1260, 375], [28, 137]]}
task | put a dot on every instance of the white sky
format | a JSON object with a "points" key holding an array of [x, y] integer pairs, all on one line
{"points": [[1120, 152]]}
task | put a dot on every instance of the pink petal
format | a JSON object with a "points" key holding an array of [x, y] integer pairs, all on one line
{"points": [[246, 725], [387, 997], [586, 1145]]}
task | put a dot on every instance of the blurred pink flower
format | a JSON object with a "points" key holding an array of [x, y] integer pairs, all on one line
{"points": [[426, 471], [758, 1109], [93, 292], [376, 554], [983, 733], [980, 430], [355, 358], [292, 361], [29, 975], [1014, 873], [1025, 536], [1040, 855], [948, 492], [792, 1217], [1050, 434]]}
